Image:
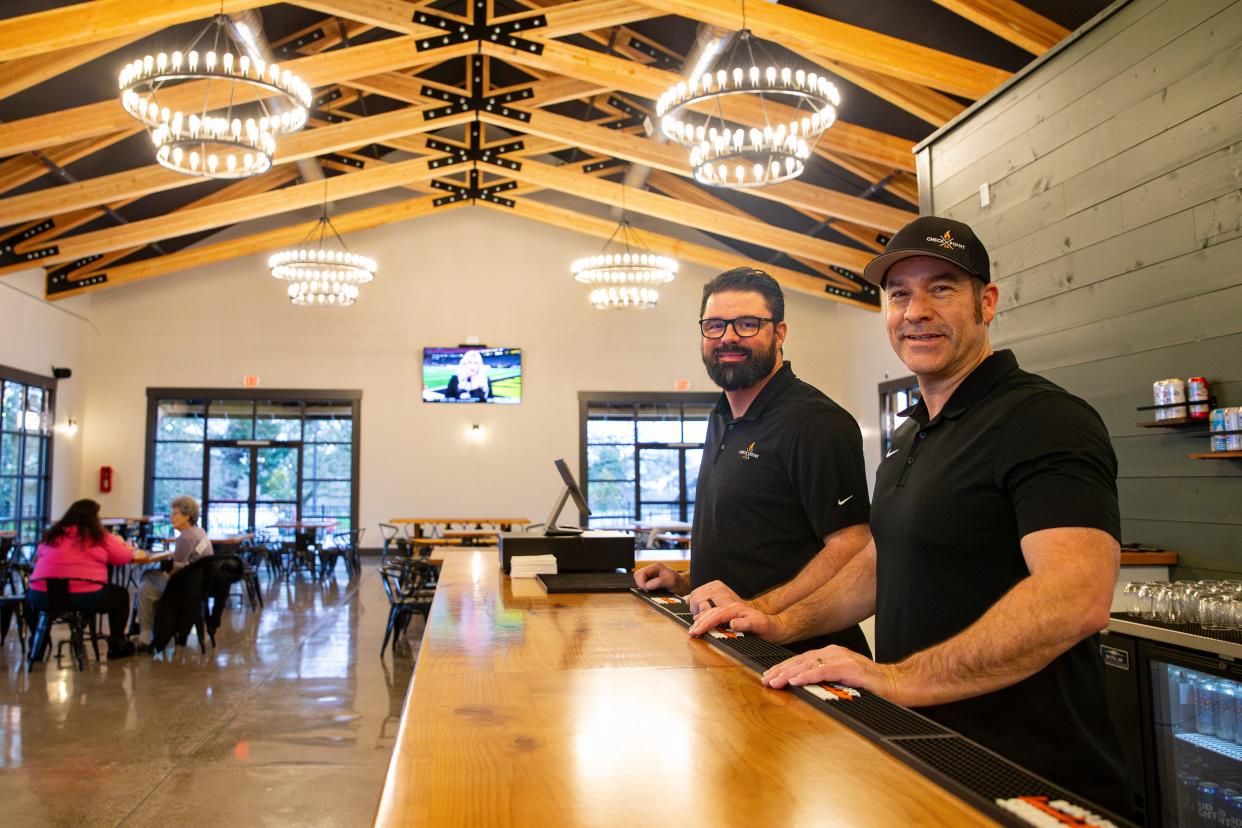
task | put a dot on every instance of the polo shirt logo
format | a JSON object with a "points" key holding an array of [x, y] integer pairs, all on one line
{"points": [[748, 453], [947, 241]]}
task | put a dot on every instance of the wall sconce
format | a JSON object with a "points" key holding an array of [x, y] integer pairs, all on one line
{"points": [[71, 427], [475, 434]]}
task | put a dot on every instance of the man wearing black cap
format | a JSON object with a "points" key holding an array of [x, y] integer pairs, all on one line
{"points": [[781, 502], [995, 550]]}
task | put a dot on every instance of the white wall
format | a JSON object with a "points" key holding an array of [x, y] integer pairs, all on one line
{"points": [[442, 278], [34, 336]]}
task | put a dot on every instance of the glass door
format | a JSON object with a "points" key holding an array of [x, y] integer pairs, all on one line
{"points": [[251, 484], [1195, 709]]}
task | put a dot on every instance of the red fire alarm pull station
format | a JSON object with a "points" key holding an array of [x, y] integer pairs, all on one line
{"points": [[105, 478]]}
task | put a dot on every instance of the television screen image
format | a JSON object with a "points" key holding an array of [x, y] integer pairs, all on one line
{"points": [[472, 375]]}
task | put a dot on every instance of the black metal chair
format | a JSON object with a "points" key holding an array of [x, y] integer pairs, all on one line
{"points": [[345, 546], [405, 584], [79, 623], [251, 557], [390, 534]]}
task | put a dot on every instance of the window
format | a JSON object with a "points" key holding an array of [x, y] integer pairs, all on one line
{"points": [[640, 455], [27, 407], [252, 458], [895, 396]]}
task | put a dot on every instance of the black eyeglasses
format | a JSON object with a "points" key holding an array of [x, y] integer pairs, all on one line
{"points": [[743, 326]]}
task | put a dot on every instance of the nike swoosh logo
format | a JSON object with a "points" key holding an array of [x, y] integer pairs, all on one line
{"points": [[843, 501], [891, 453]]}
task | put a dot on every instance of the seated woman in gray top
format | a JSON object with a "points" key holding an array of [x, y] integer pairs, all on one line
{"points": [[192, 544]]}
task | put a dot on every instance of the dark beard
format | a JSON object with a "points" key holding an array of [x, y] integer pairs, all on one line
{"points": [[735, 376]]}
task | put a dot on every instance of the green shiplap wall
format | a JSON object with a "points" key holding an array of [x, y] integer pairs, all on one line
{"points": [[1115, 230]]}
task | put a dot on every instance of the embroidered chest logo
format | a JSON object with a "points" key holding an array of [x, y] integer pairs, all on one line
{"points": [[947, 241], [748, 453]]}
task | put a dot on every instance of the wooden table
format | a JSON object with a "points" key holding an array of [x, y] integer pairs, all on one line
{"points": [[472, 537], [675, 559], [596, 710], [429, 527]]}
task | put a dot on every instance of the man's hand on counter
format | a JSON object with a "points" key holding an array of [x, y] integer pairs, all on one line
{"points": [[660, 576], [712, 594], [836, 664], [742, 617]]}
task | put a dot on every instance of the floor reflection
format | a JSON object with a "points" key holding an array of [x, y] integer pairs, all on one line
{"points": [[291, 692]]}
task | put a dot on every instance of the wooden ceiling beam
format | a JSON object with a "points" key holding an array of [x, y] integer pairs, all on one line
{"points": [[898, 182], [814, 35], [129, 184], [566, 219], [23, 73], [672, 158], [650, 82], [29, 167], [200, 255], [683, 190], [749, 230], [1011, 21], [82, 24], [247, 186], [337, 66], [199, 219], [579, 16], [920, 101]]}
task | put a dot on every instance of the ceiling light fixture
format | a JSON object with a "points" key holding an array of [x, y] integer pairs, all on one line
{"points": [[234, 138], [626, 275], [724, 151], [319, 275]]}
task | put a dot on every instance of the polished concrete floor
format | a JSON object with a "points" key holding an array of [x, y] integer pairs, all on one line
{"points": [[289, 721]]}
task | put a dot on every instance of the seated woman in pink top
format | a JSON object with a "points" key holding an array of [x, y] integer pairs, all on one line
{"points": [[78, 546]]}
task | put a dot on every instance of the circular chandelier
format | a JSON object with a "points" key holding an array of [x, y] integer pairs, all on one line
{"points": [[234, 142], [318, 275], [726, 153], [624, 279]]}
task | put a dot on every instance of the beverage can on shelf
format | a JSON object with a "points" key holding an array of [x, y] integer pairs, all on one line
{"points": [[1197, 391], [1175, 392], [1205, 708], [1157, 397], [1233, 422], [1205, 802], [1217, 423], [1225, 715]]}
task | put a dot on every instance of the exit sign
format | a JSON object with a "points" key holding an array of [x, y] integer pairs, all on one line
{"points": [[250, 381]]}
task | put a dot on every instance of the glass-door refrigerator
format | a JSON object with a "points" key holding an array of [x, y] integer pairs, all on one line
{"points": [[1178, 711]]}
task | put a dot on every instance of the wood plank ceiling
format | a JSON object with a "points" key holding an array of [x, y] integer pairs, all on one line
{"points": [[435, 106]]}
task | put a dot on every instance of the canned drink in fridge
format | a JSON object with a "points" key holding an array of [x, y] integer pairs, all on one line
{"points": [[1205, 708], [1205, 802], [1220, 805], [1175, 393], [1217, 423], [1226, 721], [1197, 392], [1187, 790], [1233, 422], [1157, 397]]}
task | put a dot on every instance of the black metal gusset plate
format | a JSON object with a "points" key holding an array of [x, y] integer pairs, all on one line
{"points": [[479, 30]]}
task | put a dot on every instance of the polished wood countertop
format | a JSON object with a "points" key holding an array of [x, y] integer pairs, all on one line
{"points": [[535, 709]]}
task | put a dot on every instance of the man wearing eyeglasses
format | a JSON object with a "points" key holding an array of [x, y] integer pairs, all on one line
{"points": [[782, 501]]}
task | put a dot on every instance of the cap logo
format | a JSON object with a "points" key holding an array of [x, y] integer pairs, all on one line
{"points": [[947, 241]]}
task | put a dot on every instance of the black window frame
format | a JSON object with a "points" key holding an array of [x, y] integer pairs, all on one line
{"points": [[351, 397], [635, 398], [48, 386], [888, 391]]}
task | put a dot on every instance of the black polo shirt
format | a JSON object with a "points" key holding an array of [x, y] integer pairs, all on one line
{"points": [[1010, 454], [772, 485]]}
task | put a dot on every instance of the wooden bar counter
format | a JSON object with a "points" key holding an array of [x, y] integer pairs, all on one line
{"points": [[535, 709]]}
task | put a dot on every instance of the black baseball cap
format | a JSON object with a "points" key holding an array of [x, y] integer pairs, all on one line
{"points": [[943, 238]]}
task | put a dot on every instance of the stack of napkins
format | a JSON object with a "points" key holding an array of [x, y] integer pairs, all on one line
{"points": [[528, 566]]}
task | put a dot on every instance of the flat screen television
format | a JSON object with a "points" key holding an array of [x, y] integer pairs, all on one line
{"points": [[472, 375]]}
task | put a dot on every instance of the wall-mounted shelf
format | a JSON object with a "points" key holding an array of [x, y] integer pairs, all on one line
{"points": [[1217, 455], [1180, 421]]}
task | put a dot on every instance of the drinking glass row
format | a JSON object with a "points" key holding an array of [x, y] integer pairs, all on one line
{"points": [[1214, 605]]}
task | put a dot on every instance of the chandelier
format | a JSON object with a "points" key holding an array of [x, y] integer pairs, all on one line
{"points": [[624, 278], [727, 153], [234, 142], [318, 275]]}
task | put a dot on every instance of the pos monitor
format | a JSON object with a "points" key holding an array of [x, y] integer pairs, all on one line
{"points": [[569, 490]]}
